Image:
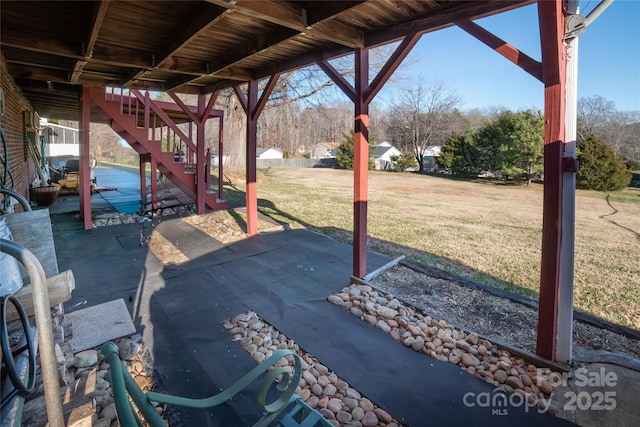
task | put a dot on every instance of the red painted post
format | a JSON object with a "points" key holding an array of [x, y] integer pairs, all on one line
{"points": [[143, 180], [154, 185], [220, 159], [200, 160], [552, 24], [85, 183], [360, 163], [251, 164]]}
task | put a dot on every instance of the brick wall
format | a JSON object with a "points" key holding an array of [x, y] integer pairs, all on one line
{"points": [[11, 122]]}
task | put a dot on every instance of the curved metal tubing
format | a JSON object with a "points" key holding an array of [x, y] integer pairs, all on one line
{"points": [[122, 380], [42, 313], [19, 197]]}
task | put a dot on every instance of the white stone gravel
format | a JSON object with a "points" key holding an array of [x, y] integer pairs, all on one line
{"points": [[437, 339], [319, 386]]}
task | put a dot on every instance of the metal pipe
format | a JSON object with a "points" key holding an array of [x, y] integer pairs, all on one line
{"points": [[593, 15], [19, 197], [42, 314]]}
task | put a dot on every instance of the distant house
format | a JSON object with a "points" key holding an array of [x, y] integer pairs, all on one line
{"points": [[324, 150], [429, 164], [382, 154], [268, 153]]}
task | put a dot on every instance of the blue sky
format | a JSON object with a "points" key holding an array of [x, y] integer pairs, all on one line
{"points": [[608, 60]]}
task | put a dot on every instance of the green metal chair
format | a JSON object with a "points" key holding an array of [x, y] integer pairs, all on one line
{"points": [[289, 410]]}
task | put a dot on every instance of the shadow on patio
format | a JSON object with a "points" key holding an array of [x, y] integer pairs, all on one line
{"points": [[285, 277]]}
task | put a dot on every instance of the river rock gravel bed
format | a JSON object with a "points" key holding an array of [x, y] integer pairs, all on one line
{"points": [[319, 387], [437, 339]]}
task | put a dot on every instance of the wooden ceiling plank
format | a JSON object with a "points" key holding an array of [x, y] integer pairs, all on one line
{"points": [[508, 51], [48, 47], [99, 12], [258, 47], [201, 23], [337, 32], [277, 12]]}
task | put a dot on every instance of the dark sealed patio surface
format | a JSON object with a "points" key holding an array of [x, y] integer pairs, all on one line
{"points": [[285, 277]]}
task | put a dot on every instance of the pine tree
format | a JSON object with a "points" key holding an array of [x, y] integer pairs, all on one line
{"points": [[600, 168]]}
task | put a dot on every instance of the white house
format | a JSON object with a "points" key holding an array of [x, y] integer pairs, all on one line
{"points": [[324, 150], [268, 153], [382, 154]]}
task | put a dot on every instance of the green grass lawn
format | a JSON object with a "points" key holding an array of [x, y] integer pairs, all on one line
{"points": [[483, 230]]}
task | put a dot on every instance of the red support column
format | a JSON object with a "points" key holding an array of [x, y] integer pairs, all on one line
{"points": [[200, 160], [552, 24], [360, 163], [144, 158], [154, 185], [220, 159], [85, 182], [251, 165]]}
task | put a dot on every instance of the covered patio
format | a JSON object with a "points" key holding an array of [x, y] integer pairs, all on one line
{"points": [[62, 69], [284, 277]]}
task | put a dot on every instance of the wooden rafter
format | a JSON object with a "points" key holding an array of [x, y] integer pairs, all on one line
{"points": [[99, 12], [292, 16], [522, 60]]}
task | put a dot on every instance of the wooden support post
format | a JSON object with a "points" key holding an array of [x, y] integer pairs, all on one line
{"points": [[200, 160], [85, 180], [362, 95], [220, 158], [360, 163], [564, 340], [253, 106], [154, 185], [552, 25], [251, 164], [144, 158]]}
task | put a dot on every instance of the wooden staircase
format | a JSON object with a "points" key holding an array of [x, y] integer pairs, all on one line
{"points": [[140, 121]]}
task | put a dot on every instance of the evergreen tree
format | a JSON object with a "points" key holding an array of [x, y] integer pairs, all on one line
{"points": [[600, 168], [459, 156], [513, 144], [345, 153]]}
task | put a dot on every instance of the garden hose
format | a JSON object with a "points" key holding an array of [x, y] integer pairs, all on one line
{"points": [[6, 179]]}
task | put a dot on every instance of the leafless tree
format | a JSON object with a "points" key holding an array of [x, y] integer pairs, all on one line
{"points": [[421, 117]]}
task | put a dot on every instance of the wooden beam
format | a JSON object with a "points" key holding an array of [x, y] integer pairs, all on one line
{"points": [[522, 60], [292, 16], [85, 122], [242, 99], [441, 17], [99, 12], [59, 286], [360, 163], [193, 115], [338, 79], [552, 24], [392, 64], [285, 14], [266, 92]]}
